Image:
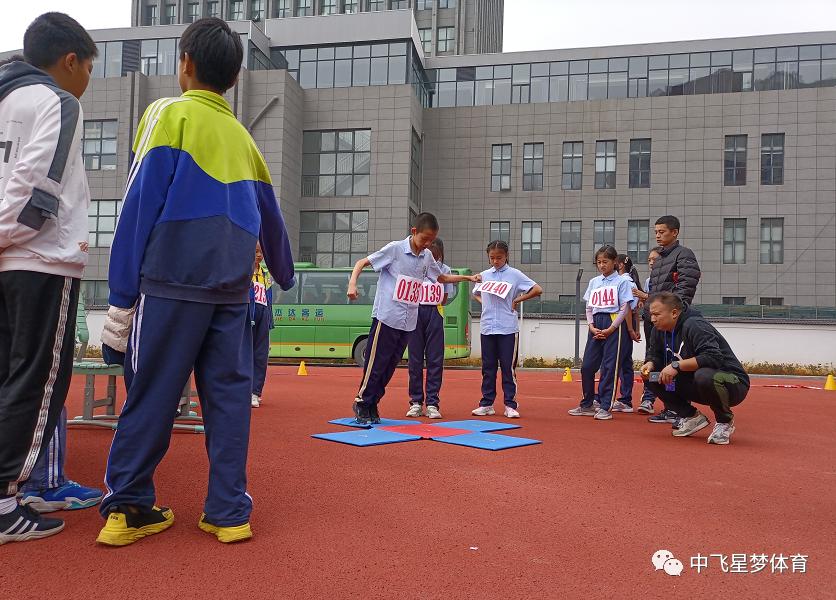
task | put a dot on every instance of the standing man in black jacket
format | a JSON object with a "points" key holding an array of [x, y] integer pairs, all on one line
{"points": [[677, 271], [700, 367]]}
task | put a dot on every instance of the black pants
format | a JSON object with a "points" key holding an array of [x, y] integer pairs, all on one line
{"points": [[718, 389], [384, 350], [426, 341], [37, 341]]}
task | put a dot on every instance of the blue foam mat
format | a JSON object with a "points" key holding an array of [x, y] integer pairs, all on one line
{"points": [[487, 441], [351, 422], [478, 425], [366, 437]]}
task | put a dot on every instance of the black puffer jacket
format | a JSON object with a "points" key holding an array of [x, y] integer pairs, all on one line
{"points": [[677, 271]]}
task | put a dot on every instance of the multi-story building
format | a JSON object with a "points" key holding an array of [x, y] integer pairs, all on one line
{"points": [[555, 151]]}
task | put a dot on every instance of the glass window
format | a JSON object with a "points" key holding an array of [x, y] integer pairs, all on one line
{"points": [[734, 241], [332, 239], [603, 234], [167, 57], [734, 160], [640, 163], [425, 4], [772, 159], [446, 39], [570, 242], [99, 145], [399, 4], [304, 8], [446, 3], [151, 16], [426, 35], [257, 10], [336, 163], [95, 294], [572, 166], [327, 7], [375, 5], [772, 241], [532, 242], [771, 301], [236, 10], [416, 166], [500, 230], [500, 167], [605, 164], [533, 167], [192, 12], [284, 8], [102, 222], [638, 239], [734, 300]]}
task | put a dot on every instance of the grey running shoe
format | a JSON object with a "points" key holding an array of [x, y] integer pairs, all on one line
{"points": [[690, 425], [721, 434]]}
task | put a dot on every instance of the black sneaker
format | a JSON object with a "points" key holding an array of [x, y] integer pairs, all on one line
{"points": [[374, 416], [25, 523], [666, 416], [361, 412]]}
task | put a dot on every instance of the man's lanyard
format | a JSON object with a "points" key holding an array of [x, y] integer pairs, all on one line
{"points": [[669, 348]]}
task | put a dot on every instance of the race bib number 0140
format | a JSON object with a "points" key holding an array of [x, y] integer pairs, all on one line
{"points": [[408, 290], [604, 297], [432, 293], [497, 288]]}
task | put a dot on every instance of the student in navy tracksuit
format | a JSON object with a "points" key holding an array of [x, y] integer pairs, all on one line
{"points": [[648, 397], [625, 268], [403, 266], [261, 317], [428, 341], [500, 327], [608, 298]]}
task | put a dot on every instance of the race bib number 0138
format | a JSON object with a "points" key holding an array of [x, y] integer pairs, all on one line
{"points": [[604, 297], [497, 288], [408, 290], [432, 293]]}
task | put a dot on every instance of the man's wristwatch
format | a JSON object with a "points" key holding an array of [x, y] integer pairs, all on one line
{"points": [[675, 365]]}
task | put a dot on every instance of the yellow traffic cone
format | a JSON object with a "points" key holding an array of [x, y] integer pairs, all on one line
{"points": [[830, 384], [303, 370], [567, 376]]}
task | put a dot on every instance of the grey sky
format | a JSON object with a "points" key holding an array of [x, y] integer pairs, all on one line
{"points": [[539, 24]]}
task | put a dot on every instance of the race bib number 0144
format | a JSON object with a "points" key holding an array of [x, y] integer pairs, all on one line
{"points": [[408, 290], [497, 288], [604, 297], [432, 293]]}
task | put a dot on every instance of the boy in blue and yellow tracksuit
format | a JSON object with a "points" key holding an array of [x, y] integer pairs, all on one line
{"points": [[197, 200]]}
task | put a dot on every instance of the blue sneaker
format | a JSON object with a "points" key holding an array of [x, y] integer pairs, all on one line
{"points": [[70, 496]]}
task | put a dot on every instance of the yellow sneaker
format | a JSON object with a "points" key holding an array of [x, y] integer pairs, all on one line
{"points": [[227, 535], [123, 528]]}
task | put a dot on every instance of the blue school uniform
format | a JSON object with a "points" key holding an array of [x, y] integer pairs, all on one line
{"points": [[261, 317], [606, 295], [627, 372], [392, 320], [427, 341], [500, 328]]}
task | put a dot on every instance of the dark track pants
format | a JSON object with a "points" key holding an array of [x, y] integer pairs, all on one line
{"points": [[261, 346], [384, 350], [605, 355], [426, 341], [718, 389], [37, 342], [168, 339], [502, 351]]}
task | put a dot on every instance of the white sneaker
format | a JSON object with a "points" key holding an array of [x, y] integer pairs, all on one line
{"points": [[580, 411], [414, 410], [689, 426], [620, 406], [603, 415], [255, 401], [483, 411], [721, 434], [511, 413], [433, 412]]}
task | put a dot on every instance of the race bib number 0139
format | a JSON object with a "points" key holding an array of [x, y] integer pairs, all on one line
{"points": [[408, 290], [432, 293], [604, 297], [497, 288]]}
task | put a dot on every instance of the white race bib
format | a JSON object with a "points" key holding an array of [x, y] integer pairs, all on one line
{"points": [[432, 293], [497, 288], [408, 290], [604, 297], [260, 293]]}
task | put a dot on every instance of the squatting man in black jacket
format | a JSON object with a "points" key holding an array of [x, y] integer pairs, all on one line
{"points": [[701, 368]]}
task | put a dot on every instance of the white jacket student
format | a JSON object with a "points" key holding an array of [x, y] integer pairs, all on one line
{"points": [[44, 197]]}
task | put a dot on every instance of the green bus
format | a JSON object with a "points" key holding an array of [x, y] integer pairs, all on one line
{"points": [[315, 319]]}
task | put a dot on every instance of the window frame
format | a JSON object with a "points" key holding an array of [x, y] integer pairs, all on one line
{"points": [[734, 160], [770, 151], [640, 162], [638, 248], [535, 246], [575, 159], [503, 230], [734, 249], [571, 250], [313, 253], [772, 248], [333, 153], [533, 179], [606, 156]]}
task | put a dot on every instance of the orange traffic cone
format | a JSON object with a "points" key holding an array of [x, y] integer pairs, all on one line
{"points": [[830, 384], [303, 370], [567, 376]]}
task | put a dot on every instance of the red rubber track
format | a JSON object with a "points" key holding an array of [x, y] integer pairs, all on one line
{"points": [[578, 516]]}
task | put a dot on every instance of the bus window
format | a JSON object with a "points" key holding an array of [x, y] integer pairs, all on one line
{"points": [[327, 287], [366, 288], [291, 296], [452, 295]]}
